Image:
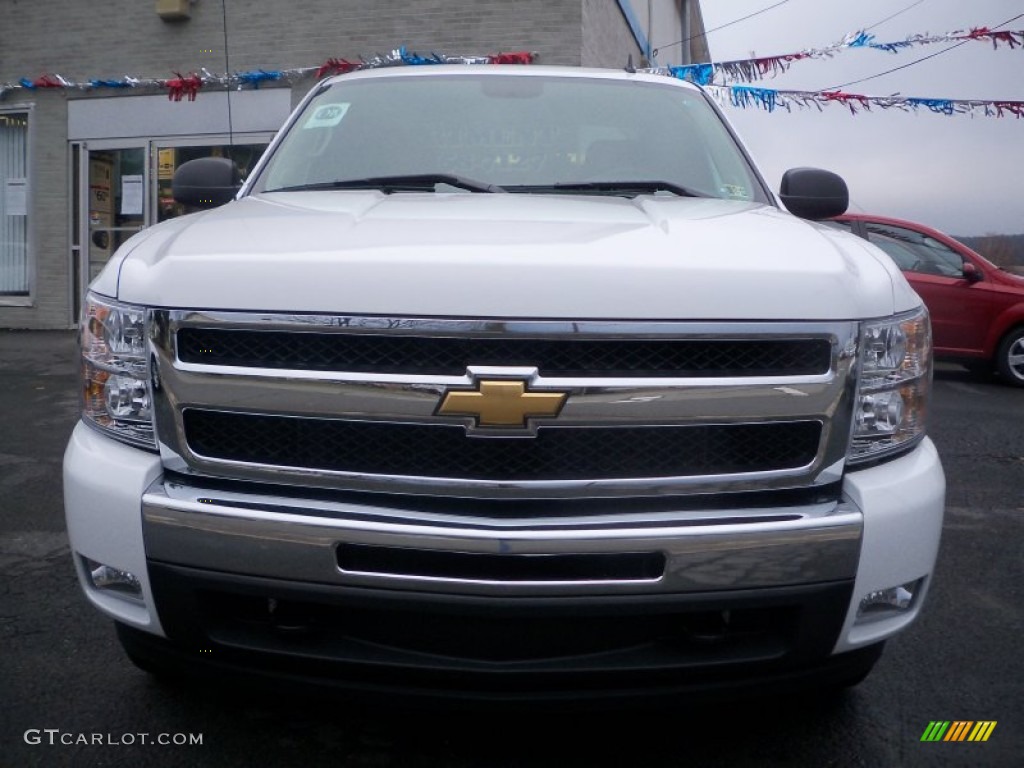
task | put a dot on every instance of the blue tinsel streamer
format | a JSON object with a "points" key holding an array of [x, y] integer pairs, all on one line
{"points": [[861, 40], [415, 59], [891, 47], [939, 106], [701, 74], [109, 84], [256, 77], [745, 96]]}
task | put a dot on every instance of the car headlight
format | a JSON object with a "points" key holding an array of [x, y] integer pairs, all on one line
{"points": [[116, 394], [894, 386]]}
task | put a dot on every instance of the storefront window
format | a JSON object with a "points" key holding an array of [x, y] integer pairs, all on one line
{"points": [[14, 261]]}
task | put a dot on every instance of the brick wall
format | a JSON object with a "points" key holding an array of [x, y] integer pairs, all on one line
{"points": [[117, 37], [607, 40], [48, 217]]}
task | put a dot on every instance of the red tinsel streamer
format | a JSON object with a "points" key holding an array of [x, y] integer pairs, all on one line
{"points": [[772, 65], [334, 67], [1005, 37], [47, 81], [848, 99], [1015, 108], [519, 57], [181, 87], [1010, 38]]}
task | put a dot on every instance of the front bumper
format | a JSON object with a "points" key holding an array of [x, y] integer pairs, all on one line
{"points": [[616, 650], [356, 586]]}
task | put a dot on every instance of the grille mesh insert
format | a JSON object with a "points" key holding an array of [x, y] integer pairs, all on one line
{"points": [[557, 453], [450, 356]]}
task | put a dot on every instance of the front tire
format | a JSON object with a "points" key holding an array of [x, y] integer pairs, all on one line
{"points": [[1010, 357]]}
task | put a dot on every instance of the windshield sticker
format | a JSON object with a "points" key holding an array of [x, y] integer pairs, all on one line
{"points": [[735, 192], [326, 116]]}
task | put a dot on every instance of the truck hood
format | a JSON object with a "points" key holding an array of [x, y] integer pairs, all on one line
{"points": [[506, 255]]}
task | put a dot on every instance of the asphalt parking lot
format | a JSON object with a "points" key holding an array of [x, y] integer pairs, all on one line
{"points": [[63, 676]]}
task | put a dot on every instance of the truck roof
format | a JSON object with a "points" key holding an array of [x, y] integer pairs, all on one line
{"points": [[507, 70]]}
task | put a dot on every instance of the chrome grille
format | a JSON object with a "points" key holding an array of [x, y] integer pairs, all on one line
{"points": [[652, 408]]}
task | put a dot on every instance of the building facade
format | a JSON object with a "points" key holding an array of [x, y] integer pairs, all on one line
{"points": [[97, 107]]}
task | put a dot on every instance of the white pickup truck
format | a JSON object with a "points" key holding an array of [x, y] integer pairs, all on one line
{"points": [[505, 382]]}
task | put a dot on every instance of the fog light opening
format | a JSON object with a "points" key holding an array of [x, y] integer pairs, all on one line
{"points": [[889, 603], [109, 579]]}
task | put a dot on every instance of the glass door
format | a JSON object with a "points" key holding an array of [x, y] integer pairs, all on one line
{"points": [[114, 202], [78, 213]]}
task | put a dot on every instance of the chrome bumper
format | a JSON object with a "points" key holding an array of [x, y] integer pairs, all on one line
{"points": [[298, 540]]}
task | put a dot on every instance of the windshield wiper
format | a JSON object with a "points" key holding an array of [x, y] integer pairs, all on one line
{"points": [[631, 188], [388, 184]]}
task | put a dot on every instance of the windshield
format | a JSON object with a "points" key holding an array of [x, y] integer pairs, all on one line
{"points": [[511, 133]]}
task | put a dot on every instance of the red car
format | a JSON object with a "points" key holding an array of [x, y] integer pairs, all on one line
{"points": [[977, 308]]}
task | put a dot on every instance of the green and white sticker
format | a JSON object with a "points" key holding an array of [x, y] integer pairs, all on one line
{"points": [[326, 116]]}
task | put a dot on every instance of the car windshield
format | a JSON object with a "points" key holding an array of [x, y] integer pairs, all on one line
{"points": [[515, 133], [915, 251]]}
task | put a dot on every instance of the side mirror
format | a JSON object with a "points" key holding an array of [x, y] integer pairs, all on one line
{"points": [[206, 182], [812, 193], [972, 274]]}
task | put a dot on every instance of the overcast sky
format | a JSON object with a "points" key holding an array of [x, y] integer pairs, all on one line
{"points": [[960, 174]]}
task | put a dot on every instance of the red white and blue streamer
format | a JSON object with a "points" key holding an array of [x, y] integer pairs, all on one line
{"points": [[713, 76], [750, 70], [186, 87], [772, 100]]}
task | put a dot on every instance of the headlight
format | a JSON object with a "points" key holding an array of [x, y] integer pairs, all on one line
{"points": [[116, 395], [894, 387]]}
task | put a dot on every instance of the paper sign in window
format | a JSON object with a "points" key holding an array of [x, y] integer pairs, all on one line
{"points": [[131, 195], [16, 197]]}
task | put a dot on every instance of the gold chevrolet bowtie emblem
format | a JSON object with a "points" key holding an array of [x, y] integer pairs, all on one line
{"points": [[501, 404]]}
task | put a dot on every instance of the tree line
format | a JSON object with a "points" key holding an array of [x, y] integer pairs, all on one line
{"points": [[1001, 250]]}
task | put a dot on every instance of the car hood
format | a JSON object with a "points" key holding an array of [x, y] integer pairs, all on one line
{"points": [[506, 255], [1013, 280]]}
